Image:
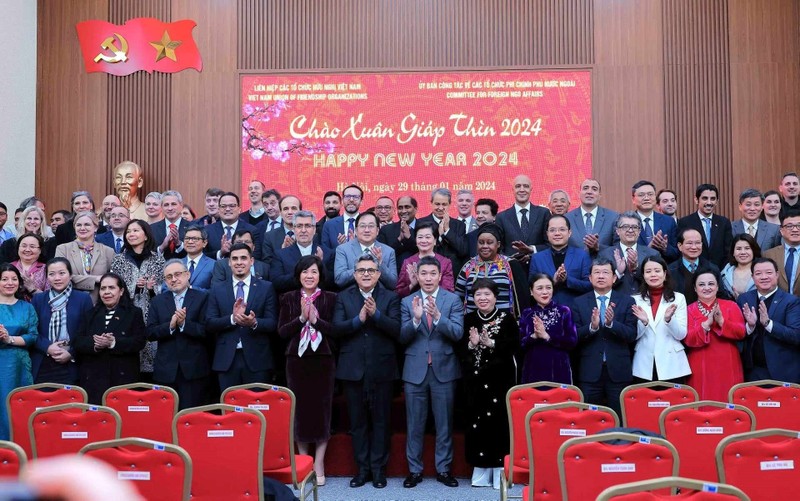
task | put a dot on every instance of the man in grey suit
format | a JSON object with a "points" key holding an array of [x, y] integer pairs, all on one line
{"points": [[365, 242], [432, 321], [627, 255], [592, 225], [767, 235]]}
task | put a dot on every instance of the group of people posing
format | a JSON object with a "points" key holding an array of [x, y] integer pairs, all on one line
{"points": [[458, 308]]}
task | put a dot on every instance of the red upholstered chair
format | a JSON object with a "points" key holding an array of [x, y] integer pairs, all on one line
{"points": [[774, 403], [519, 400], [547, 429], [280, 461], [691, 490], [66, 428], [764, 464], [587, 465], [159, 471], [696, 429], [12, 460], [642, 404], [22, 401], [147, 410], [226, 450]]}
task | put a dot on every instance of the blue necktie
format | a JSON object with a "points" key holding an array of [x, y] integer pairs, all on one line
{"points": [[118, 245], [602, 309], [228, 232], [273, 225], [240, 290], [351, 228], [707, 226], [647, 232], [790, 269], [191, 268]]}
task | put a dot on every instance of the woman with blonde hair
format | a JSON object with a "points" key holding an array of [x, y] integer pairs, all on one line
{"points": [[32, 220], [88, 259]]}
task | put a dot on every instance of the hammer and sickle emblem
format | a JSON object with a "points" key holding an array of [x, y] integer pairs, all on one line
{"points": [[119, 54]]}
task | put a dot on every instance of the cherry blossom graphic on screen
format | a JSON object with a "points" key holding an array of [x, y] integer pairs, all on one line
{"points": [[260, 145]]}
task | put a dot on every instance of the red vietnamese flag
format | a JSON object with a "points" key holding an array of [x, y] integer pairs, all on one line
{"points": [[140, 44]]}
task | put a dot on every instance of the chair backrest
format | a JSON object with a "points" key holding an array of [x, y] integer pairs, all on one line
{"points": [[522, 398], [226, 451], [775, 404], [643, 403], [762, 463], [157, 470], [147, 410], [12, 460], [66, 428], [702, 491], [587, 465], [277, 404], [22, 401], [547, 429], [696, 429]]}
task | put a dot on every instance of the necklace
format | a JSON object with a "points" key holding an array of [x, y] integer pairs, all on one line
{"points": [[488, 317], [705, 311]]}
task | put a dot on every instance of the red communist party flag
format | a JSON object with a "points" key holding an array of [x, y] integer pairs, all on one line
{"points": [[140, 44]]}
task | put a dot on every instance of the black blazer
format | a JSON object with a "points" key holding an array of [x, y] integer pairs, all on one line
{"points": [[159, 230], [718, 250], [453, 245], [537, 227], [100, 370], [255, 342], [403, 249], [215, 232], [281, 272], [682, 279], [367, 351], [185, 349], [615, 342]]}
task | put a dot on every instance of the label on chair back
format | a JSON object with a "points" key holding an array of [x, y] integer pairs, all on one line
{"points": [[74, 434], [259, 407], [570, 432], [133, 475], [618, 468], [710, 430], [768, 403], [658, 403], [138, 408], [220, 433], [777, 465]]}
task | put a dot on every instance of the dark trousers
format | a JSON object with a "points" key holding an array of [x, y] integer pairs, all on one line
{"points": [[604, 391], [756, 373], [191, 392], [369, 409], [239, 373]]}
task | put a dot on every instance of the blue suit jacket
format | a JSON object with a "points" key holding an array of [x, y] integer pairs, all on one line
{"points": [[782, 345], [159, 230], [79, 306], [578, 264], [281, 271], [255, 342], [603, 226], [669, 229], [215, 232], [330, 236], [107, 239], [203, 270]]}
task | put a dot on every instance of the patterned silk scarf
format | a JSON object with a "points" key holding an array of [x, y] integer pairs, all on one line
{"points": [[57, 330], [86, 255], [308, 334]]}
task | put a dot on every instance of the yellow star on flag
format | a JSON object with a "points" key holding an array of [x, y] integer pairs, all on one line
{"points": [[166, 47]]}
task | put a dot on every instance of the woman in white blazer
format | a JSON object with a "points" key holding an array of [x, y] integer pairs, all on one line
{"points": [[659, 354]]}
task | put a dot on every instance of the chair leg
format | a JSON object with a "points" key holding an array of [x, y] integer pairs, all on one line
{"points": [[503, 488]]}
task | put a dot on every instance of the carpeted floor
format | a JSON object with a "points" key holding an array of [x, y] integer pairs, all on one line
{"points": [[338, 489]]}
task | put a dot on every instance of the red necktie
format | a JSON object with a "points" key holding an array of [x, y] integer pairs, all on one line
{"points": [[172, 242]]}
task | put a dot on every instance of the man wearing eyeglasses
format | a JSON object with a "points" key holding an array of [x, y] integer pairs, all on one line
{"points": [[281, 271], [787, 255], [200, 266], [220, 234], [384, 209], [118, 220], [365, 242], [176, 320], [658, 231], [627, 255], [342, 228]]}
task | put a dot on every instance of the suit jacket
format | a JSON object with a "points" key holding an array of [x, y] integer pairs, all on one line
{"points": [[366, 350], [182, 348], [768, 235], [615, 341], [603, 226], [717, 251], [777, 255], [454, 244], [628, 282], [660, 341], [578, 264], [160, 229], [345, 263], [440, 340], [108, 238], [78, 307], [782, 344], [216, 230], [281, 272], [102, 257], [537, 226], [470, 224], [255, 342], [272, 243], [682, 278], [222, 272], [203, 271], [669, 229], [403, 249], [330, 235]]}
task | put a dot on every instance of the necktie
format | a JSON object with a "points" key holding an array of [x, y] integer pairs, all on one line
{"points": [[751, 230], [524, 223], [790, 268], [290, 233], [602, 309], [191, 267], [239, 290], [588, 223], [707, 226], [273, 225], [351, 229], [172, 242], [647, 232], [692, 267], [178, 302], [228, 232], [118, 245], [430, 327]]}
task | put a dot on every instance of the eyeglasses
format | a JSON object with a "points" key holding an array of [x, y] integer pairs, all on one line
{"points": [[646, 195], [791, 226], [352, 197], [29, 247], [192, 239], [628, 227], [228, 206], [303, 226], [367, 226], [557, 230], [366, 271], [177, 274]]}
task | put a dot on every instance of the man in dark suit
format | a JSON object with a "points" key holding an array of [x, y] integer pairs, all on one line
{"points": [[331, 207], [366, 321], [787, 256], [119, 218], [342, 228], [282, 236], [690, 245], [432, 324], [222, 272], [400, 236], [281, 272], [606, 332], [627, 255], [523, 224], [176, 320], [220, 234], [714, 229], [658, 231], [592, 225], [169, 232], [211, 201], [452, 241], [772, 345], [200, 266], [751, 203], [270, 200], [242, 314]]}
